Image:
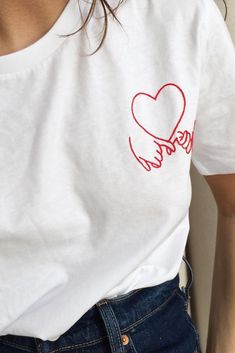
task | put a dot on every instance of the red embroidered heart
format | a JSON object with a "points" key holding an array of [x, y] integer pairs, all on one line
{"points": [[160, 115]]}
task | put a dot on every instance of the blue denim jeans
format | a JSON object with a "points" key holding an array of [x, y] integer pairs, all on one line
{"points": [[146, 320]]}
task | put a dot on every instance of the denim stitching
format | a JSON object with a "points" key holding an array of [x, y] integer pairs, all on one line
{"points": [[15, 345], [92, 342], [158, 308], [136, 323], [188, 318], [116, 327], [80, 345], [111, 335], [132, 346], [190, 322], [194, 328]]}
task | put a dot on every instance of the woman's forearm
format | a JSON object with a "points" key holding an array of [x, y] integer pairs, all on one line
{"points": [[221, 333]]}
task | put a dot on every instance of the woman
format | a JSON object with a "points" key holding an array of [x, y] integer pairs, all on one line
{"points": [[96, 146]]}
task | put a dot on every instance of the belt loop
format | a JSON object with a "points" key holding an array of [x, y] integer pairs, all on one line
{"points": [[190, 279], [111, 324]]}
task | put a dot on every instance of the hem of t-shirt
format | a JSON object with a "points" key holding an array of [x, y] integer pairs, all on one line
{"points": [[42, 48]]}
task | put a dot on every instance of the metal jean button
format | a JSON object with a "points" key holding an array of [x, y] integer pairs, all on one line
{"points": [[125, 339]]}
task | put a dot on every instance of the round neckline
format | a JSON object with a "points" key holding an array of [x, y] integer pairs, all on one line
{"points": [[44, 46]]}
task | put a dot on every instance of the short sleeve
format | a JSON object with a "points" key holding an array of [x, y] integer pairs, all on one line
{"points": [[213, 149]]}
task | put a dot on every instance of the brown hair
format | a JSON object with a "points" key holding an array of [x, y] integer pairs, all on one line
{"points": [[106, 10]]}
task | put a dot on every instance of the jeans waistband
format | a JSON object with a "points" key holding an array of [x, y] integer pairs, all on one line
{"points": [[127, 309]]}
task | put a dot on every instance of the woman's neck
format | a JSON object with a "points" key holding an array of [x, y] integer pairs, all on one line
{"points": [[24, 22]]}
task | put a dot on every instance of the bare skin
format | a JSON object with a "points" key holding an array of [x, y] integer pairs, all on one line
{"points": [[221, 337], [24, 22]]}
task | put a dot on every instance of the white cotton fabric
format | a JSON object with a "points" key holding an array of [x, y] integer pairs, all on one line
{"points": [[95, 154]]}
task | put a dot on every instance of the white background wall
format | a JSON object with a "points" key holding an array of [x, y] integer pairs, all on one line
{"points": [[203, 219]]}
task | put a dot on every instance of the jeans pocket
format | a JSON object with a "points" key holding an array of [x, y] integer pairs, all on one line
{"points": [[166, 330]]}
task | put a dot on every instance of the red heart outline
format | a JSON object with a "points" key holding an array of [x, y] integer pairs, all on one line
{"points": [[155, 98], [185, 140]]}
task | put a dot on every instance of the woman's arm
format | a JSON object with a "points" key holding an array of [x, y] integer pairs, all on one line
{"points": [[221, 334]]}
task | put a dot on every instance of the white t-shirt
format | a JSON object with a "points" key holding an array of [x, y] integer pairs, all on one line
{"points": [[95, 155]]}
